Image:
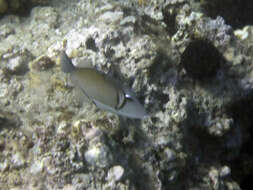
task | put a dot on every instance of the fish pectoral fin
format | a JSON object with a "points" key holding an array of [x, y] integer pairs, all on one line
{"points": [[104, 107]]}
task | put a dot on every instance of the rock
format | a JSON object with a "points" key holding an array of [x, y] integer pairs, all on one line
{"points": [[225, 171], [242, 34], [37, 167], [200, 27], [4, 166], [111, 17], [169, 154], [99, 155], [46, 15], [17, 61], [17, 161], [82, 181], [3, 90], [6, 30], [115, 174], [15, 64], [128, 20], [42, 63]]}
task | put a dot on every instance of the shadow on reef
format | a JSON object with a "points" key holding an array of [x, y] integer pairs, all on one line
{"points": [[201, 59], [207, 149], [21, 7], [132, 140], [237, 13], [242, 165], [161, 65], [9, 120], [207, 68]]}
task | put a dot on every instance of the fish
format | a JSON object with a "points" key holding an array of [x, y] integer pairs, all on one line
{"points": [[105, 92]]}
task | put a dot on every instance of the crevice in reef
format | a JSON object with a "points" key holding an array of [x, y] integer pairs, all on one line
{"points": [[242, 165]]}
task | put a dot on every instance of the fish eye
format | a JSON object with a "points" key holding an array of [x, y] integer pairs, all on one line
{"points": [[128, 96], [122, 99]]}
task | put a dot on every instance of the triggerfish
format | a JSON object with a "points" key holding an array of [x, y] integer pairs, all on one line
{"points": [[105, 92]]}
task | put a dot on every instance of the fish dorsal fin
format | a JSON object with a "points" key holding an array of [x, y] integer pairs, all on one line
{"points": [[66, 63]]}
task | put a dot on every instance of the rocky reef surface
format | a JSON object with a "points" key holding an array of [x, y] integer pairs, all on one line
{"points": [[190, 64]]}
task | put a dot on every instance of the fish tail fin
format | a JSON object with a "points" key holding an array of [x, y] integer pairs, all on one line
{"points": [[66, 63]]}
